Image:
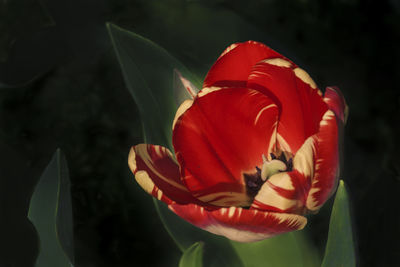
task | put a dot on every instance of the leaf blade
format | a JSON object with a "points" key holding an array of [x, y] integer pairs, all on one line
{"points": [[51, 203], [286, 250], [193, 256], [340, 245], [148, 72]]}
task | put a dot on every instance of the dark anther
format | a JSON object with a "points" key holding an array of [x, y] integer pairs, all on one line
{"points": [[288, 162], [258, 170], [253, 182], [289, 165], [282, 158]]}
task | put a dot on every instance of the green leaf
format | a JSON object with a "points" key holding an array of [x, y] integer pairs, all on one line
{"points": [[193, 256], [149, 75], [148, 72], [291, 249], [340, 245], [50, 211], [185, 234]]}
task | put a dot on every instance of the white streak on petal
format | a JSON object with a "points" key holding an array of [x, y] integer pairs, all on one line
{"points": [[132, 160], [143, 152], [240, 235], [283, 144], [278, 62], [312, 201], [231, 212], [239, 212], [282, 180], [223, 211], [305, 77], [228, 49], [159, 194], [158, 151], [224, 198], [293, 219], [182, 108], [327, 116], [143, 179], [268, 196], [262, 110], [236, 234], [207, 90], [303, 161], [272, 141]]}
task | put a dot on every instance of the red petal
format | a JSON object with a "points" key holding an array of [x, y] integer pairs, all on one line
{"points": [[221, 136], [336, 102], [233, 66], [157, 172], [296, 95], [326, 159], [283, 192], [240, 224]]}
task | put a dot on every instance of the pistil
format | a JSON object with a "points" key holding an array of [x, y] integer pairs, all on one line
{"points": [[277, 164]]}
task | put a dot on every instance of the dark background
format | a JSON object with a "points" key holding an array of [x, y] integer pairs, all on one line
{"points": [[61, 86]]}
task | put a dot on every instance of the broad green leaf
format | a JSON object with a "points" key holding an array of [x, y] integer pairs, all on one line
{"points": [[50, 211], [340, 245], [148, 73], [218, 250], [291, 249], [193, 256]]}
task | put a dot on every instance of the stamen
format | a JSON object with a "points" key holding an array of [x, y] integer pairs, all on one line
{"points": [[289, 164], [258, 170], [277, 164], [253, 182], [272, 167]]}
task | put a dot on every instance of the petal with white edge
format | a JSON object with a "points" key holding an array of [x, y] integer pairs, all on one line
{"points": [[234, 65], [301, 106], [336, 102], [283, 192], [222, 137], [157, 172], [238, 224], [326, 162]]}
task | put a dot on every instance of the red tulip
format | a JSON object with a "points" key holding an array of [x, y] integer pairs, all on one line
{"points": [[255, 150]]}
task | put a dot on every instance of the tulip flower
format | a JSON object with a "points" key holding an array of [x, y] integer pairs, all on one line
{"points": [[255, 150]]}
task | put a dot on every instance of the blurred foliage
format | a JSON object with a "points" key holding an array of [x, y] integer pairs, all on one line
{"points": [[19, 19], [151, 85], [50, 211], [77, 100]]}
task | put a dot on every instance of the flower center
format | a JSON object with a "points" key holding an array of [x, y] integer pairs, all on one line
{"points": [[254, 181]]}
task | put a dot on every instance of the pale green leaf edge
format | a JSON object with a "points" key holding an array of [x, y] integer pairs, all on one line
{"points": [[193, 256]]}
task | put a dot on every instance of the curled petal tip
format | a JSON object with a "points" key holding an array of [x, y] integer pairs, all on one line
{"points": [[335, 100]]}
